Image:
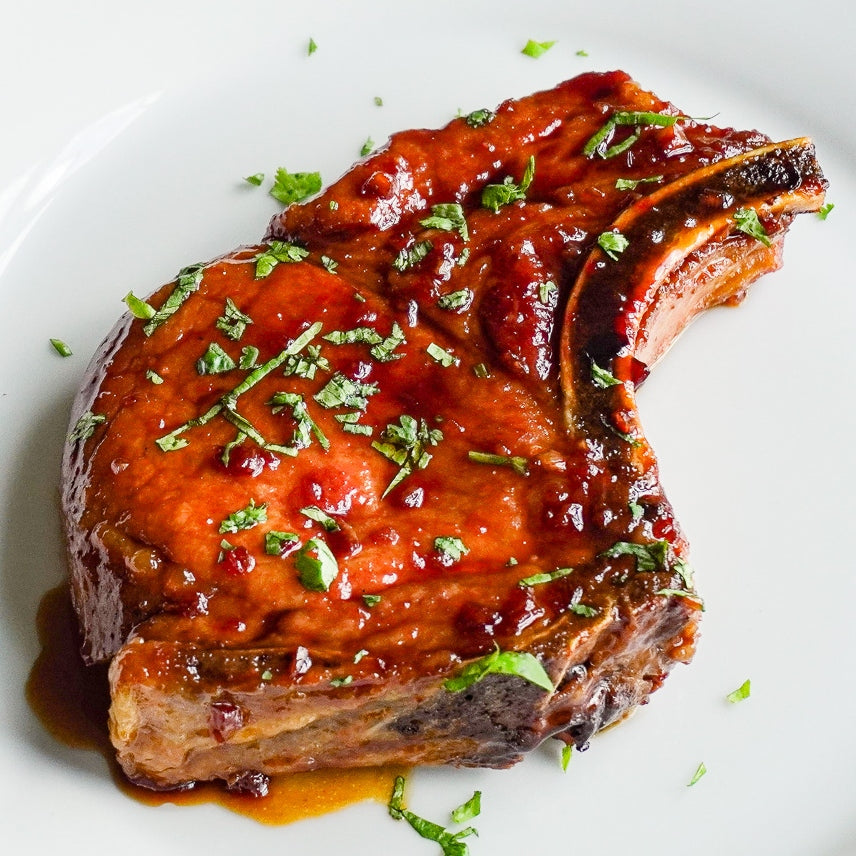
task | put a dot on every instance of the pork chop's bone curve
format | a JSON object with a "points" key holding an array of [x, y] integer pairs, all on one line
{"points": [[684, 254]]}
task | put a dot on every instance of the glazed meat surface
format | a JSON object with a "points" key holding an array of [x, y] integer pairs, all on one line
{"points": [[376, 490]]}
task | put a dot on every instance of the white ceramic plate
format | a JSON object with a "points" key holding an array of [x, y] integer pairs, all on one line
{"points": [[126, 131]]}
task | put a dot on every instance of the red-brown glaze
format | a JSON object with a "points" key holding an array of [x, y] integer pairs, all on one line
{"points": [[228, 636]]}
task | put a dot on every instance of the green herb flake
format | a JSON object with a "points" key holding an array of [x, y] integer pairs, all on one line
{"points": [[633, 183], [249, 357], [581, 53], [85, 427], [673, 592], [214, 361], [139, 308], [359, 655], [824, 210], [746, 220], [536, 49], [188, 281], [612, 243], [742, 692], [518, 464], [278, 251], [448, 217], [636, 511], [311, 47], [154, 377], [351, 425], [305, 365], [355, 336], [341, 391], [371, 600], [480, 370], [289, 187], [255, 179], [539, 579], [329, 264], [700, 771], [598, 144], [406, 445], [60, 347], [245, 518], [649, 557], [383, 352], [378, 101], [468, 810], [601, 378], [547, 291], [584, 610], [498, 662], [232, 323], [367, 147], [276, 542], [442, 356], [456, 300], [452, 549], [409, 257], [342, 682], [496, 196], [480, 118], [266, 675], [307, 427], [313, 512], [567, 751], [316, 565]]}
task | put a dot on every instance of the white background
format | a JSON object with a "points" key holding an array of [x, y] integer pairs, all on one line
{"points": [[126, 130]]}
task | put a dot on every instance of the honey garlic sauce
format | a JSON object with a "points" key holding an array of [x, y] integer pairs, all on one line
{"points": [[71, 701]]}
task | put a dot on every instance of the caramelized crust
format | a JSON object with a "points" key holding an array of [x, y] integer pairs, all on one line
{"points": [[223, 660]]}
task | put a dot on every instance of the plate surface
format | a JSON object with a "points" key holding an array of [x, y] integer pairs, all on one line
{"points": [[127, 133]]}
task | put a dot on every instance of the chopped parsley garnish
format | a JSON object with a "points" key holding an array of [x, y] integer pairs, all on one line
{"points": [[480, 370], [276, 542], [311, 47], [341, 682], [567, 751], [249, 357], [383, 351], [406, 444], [139, 308], [313, 512], [410, 256], [746, 220], [450, 547], [581, 53], [518, 464], [700, 771], [291, 187], [316, 565], [360, 654], [535, 49], [599, 143], [306, 425], [188, 281], [633, 183], [539, 579], [519, 663], [61, 348], [232, 323], [215, 361], [451, 843], [601, 378], [495, 196], [255, 179], [244, 518], [278, 251], [613, 244], [442, 356], [742, 692], [479, 118], [355, 336], [636, 510], [448, 217], [266, 675], [350, 423], [85, 427], [371, 600], [468, 810], [154, 377], [378, 101], [329, 264], [341, 391], [584, 610], [456, 300], [649, 557], [546, 291], [305, 365], [368, 145], [824, 210]]}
